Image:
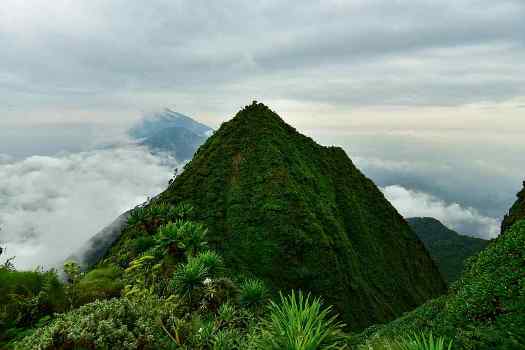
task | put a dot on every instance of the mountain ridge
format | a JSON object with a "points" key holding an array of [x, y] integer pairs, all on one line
{"points": [[448, 248], [301, 216]]}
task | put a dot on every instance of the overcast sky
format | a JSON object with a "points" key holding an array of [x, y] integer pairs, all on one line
{"points": [[427, 97], [339, 64]]}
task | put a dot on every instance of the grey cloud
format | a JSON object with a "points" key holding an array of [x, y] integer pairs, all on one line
{"points": [[479, 171], [50, 206], [464, 220], [100, 50]]}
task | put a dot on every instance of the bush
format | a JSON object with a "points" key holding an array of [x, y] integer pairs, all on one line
{"points": [[101, 283], [188, 278], [108, 324], [424, 342], [25, 298], [211, 261], [254, 293], [300, 323]]}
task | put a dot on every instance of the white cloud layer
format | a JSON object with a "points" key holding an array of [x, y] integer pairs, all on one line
{"points": [[419, 204], [49, 206]]}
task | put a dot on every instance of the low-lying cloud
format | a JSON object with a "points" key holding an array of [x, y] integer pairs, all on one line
{"points": [[49, 206], [462, 219]]}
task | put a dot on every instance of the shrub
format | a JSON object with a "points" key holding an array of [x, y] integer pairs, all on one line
{"points": [[101, 283], [211, 261], [25, 298], [300, 323], [179, 236], [254, 293], [188, 278], [423, 342], [108, 324], [142, 244]]}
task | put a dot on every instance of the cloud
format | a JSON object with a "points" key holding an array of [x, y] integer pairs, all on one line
{"points": [[49, 206], [102, 57], [464, 220], [482, 170]]}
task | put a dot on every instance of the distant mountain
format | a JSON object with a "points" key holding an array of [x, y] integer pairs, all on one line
{"points": [[176, 141], [448, 248], [151, 124], [171, 132], [298, 215], [166, 132], [516, 212]]}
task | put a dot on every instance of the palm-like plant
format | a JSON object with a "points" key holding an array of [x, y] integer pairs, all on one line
{"points": [[211, 261], [167, 237], [183, 210], [300, 323], [254, 293], [188, 278], [423, 342], [192, 237]]}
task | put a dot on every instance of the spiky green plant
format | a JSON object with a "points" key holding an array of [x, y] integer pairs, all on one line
{"points": [[192, 237], [423, 342], [167, 236], [211, 261], [300, 322], [226, 339], [183, 210], [254, 293], [188, 278]]}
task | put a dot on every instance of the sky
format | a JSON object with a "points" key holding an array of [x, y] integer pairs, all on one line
{"points": [[427, 98]]}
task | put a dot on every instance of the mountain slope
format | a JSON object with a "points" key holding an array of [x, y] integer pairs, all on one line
{"points": [[516, 212], [298, 215], [448, 248], [484, 310]]}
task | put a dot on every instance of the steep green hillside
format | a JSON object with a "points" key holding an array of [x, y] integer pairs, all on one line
{"points": [[517, 212], [298, 215], [485, 309], [448, 248]]}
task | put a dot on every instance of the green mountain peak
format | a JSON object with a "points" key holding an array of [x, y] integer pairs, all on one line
{"points": [[298, 215]]}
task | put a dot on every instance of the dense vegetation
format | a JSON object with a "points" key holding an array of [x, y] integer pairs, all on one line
{"points": [[178, 294], [448, 248], [485, 308], [516, 212], [281, 208]]}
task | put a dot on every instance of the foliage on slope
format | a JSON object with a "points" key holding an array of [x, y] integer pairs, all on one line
{"points": [[301, 216], [27, 298], [194, 306], [516, 212], [448, 248], [485, 309]]}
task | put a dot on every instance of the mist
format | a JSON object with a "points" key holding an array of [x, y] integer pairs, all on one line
{"points": [[51, 205]]}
